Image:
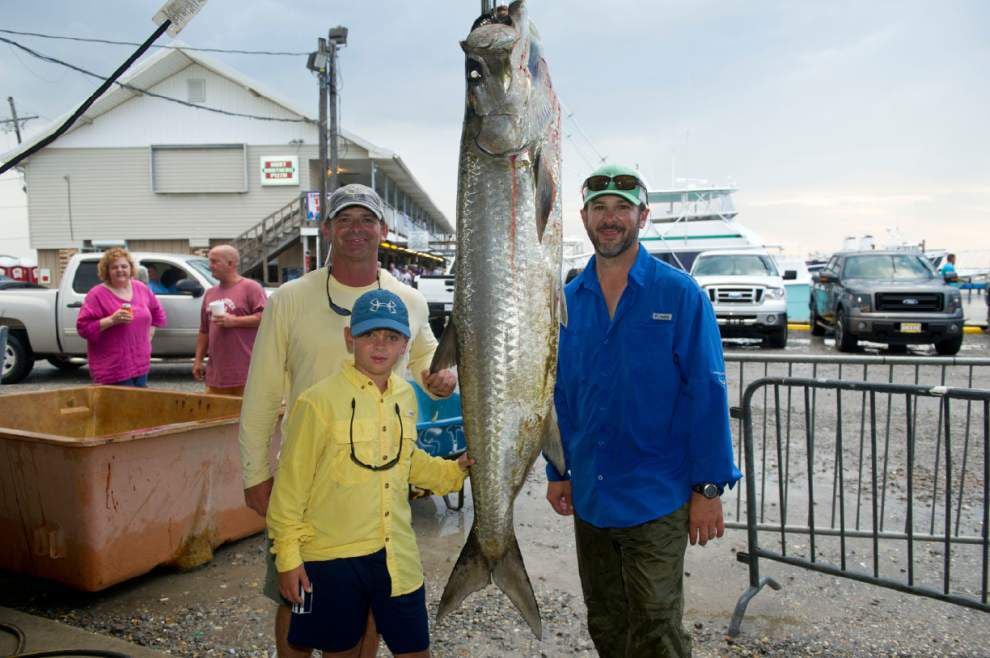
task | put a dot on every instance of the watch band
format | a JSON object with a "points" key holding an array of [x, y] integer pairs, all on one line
{"points": [[708, 489]]}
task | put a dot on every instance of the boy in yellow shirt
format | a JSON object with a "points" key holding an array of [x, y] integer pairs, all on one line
{"points": [[339, 516]]}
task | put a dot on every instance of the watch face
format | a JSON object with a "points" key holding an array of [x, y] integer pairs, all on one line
{"points": [[710, 491]]}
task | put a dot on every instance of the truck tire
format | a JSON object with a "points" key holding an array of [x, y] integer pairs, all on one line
{"points": [[64, 363], [949, 346], [18, 359], [844, 341], [777, 340], [817, 328]]}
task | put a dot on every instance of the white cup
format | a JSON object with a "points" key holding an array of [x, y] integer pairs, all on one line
{"points": [[218, 308]]}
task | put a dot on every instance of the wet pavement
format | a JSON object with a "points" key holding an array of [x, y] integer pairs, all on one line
{"points": [[217, 610]]}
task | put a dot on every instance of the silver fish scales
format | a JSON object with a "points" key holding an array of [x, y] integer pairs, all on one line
{"points": [[508, 299]]}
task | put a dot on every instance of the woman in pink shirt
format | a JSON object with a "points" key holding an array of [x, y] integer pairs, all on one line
{"points": [[118, 319]]}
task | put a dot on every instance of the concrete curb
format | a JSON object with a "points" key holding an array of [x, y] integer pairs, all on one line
{"points": [[968, 329], [43, 634]]}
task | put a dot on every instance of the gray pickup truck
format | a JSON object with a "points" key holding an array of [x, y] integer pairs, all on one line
{"points": [[42, 322], [891, 297]]}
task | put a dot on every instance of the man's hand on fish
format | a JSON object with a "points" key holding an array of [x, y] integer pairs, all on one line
{"points": [[559, 495], [705, 521], [289, 582], [257, 497], [441, 383], [465, 461]]}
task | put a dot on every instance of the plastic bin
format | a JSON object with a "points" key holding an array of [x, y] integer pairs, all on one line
{"points": [[440, 431], [100, 484]]}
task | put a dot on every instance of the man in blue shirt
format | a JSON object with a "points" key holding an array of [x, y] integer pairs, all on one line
{"points": [[948, 269], [644, 418]]}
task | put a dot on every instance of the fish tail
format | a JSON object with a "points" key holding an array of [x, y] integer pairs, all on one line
{"points": [[473, 572], [509, 573]]}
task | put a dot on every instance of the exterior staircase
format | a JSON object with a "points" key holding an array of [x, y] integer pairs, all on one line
{"points": [[270, 237]]}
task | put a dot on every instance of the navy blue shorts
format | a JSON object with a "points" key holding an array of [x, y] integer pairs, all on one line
{"points": [[343, 591]]}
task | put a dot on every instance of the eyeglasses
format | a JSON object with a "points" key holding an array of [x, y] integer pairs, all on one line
{"points": [[372, 467], [337, 308], [623, 182]]}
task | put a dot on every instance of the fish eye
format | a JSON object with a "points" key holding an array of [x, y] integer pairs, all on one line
{"points": [[474, 74]]}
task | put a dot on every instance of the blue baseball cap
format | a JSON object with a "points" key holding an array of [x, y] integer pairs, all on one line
{"points": [[379, 309]]}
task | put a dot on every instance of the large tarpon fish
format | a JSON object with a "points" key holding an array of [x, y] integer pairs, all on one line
{"points": [[508, 300]]}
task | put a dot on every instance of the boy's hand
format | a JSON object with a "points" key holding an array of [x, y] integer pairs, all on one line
{"points": [[465, 461], [441, 383], [289, 581]]}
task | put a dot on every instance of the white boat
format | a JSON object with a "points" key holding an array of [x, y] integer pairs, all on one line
{"points": [[685, 222]]}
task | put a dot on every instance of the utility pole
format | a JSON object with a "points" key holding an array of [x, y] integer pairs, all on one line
{"points": [[317, 63], [323, 58], [338, 38], [15, 120]]}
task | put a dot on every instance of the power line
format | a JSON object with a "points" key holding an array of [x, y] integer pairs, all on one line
{"points": [[132, 43], [570, 115], [144, 92], [89, 101]]}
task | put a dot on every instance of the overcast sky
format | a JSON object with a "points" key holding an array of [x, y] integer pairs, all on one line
{"points": [[832, 119]]}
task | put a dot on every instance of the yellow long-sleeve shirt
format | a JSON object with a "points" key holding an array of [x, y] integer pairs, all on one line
{"points": [[301, 341], [324, 506]]}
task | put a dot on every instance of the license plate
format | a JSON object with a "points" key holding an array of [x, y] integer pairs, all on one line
{"points": [[735, 320], [910, 327]]}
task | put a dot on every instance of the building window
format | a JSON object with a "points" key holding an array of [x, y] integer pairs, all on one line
{"points": [[199, 168], [197, 90]]}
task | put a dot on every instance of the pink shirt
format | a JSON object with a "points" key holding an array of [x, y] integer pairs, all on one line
{"points": [[230, 347], [122, 351]]}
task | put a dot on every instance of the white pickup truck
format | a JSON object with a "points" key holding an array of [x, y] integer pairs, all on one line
{"points": [[438, 289], [42, 322], [747, 293]]}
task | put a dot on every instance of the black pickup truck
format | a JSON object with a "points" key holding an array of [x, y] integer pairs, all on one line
{"points": [[891, 297]]}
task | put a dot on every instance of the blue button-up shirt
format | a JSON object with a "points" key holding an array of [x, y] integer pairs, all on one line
{"points": [[641, 397]]}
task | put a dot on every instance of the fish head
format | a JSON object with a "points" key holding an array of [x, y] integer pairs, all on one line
{"points": [[499, 81]]}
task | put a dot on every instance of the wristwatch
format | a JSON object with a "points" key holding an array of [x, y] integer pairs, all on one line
{"points": [[708, 490]]}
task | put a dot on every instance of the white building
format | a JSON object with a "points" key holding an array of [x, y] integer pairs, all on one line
{"points": [[161, 176]]}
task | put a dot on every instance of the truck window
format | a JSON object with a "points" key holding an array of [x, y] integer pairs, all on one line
{"points": [[86, 277], [735, 265], [162, 276], [886, 267]]}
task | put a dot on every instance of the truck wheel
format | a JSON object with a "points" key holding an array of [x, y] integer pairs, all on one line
{"points": [[18, 359], [844, 341], [777, 340], [64, 363], [949, 346], [817, 328]]}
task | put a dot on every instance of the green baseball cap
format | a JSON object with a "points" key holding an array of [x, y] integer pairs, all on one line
{"points": [[617, 180]]}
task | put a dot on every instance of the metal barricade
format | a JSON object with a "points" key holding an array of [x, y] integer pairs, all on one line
{"points": [[743, 368], [883, 483]]}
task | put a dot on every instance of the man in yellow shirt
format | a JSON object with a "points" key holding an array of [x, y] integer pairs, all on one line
{"points": [[339, 517], [300, 342]]}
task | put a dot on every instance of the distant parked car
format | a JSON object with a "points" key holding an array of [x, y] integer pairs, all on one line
{"points": [[6, 283], [891, 297]]}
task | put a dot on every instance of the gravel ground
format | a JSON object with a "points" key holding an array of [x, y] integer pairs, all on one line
{"points": [[217, 610]]}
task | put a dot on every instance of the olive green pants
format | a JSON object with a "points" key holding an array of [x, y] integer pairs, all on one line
{"points": [[633, 584]]}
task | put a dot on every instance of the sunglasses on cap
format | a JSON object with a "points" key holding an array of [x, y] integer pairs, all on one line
{"points": [[623, 182]]}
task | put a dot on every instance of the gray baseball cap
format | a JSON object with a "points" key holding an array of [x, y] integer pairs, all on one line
{"points": [[355, 194]]}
